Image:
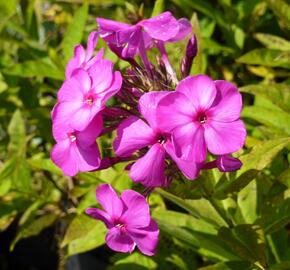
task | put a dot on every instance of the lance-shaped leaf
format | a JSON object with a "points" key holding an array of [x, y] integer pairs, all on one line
{"points": [[277, 93], [247, 241], [266, 57], [74, 32]]}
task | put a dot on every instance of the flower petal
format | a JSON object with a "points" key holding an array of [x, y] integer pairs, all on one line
{"points": [[146, 238], [107, 29], [132, 134], [91, 44], [228, 102], [190, 169], [102, 75], [224, 138], [149, 170], [189, 143], [174, 110], [74, 88], [226, 163], [88, 157], [200, 90], [76, 61], [137, 213], [100, 215], [162, 27], [88, 136], [115, 86], [109, 200], [184, 29], [119, 241], [64, 156], [148, 105], [76, 114]]}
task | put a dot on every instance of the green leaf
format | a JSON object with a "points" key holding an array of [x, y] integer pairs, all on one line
{"points": [[266, 57], [81, 240], [184, 220], [74, 32], [42, 67], [7, 9], [260, 156], [248, 201], [277, 93], [16, 131], [281, 266], [33, 228], [273, 42], [198, 63], [247, 241], [268, 117], [37, 162], [275, 214], [158, 8], [78, 228], [281, 10], [198, 208], [17, 168], [134, 261], [231, 265]]}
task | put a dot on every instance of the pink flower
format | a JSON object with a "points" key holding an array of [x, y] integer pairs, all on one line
{"points": [[129, 40], [203, 114], [224, 163], [134, 134], [76, 151], [84, 95], [83, 59], [127, 219]]}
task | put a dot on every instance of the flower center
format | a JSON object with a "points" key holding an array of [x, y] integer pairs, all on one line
{"points": [[202, 118], [72, 137], [90, 100], [120, 226], [161, 139]]}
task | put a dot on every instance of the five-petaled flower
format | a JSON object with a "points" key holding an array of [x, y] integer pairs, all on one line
{"points": [[128, 220], [203, 114]]}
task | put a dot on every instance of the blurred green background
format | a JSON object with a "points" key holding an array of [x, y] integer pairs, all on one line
{"points": [[219, 221]]}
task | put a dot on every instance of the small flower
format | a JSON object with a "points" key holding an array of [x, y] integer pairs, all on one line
{"points": [[83, 59], [84, 95], [127, 219], [134, 134], [226, 163], [203, 114], [128, 40], [77, 151]]}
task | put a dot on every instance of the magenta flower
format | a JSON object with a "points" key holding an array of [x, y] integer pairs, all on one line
{"points": [[130, 40], [84, 95], [127, 219], [134, 134], [224, 163], [83, 59], [203, 114], [77, 151]]}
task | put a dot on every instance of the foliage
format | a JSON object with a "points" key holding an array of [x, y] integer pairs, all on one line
{"points": [[219, 221]]}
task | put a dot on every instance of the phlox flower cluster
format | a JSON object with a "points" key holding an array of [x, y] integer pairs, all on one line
{"points": [[167, 122]]}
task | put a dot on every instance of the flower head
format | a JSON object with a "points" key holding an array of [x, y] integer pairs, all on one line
{"points": [[76, 151], [84, 94], [128, 220], [203, 114], [127, 40], [135, 134], [84, 59]]}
